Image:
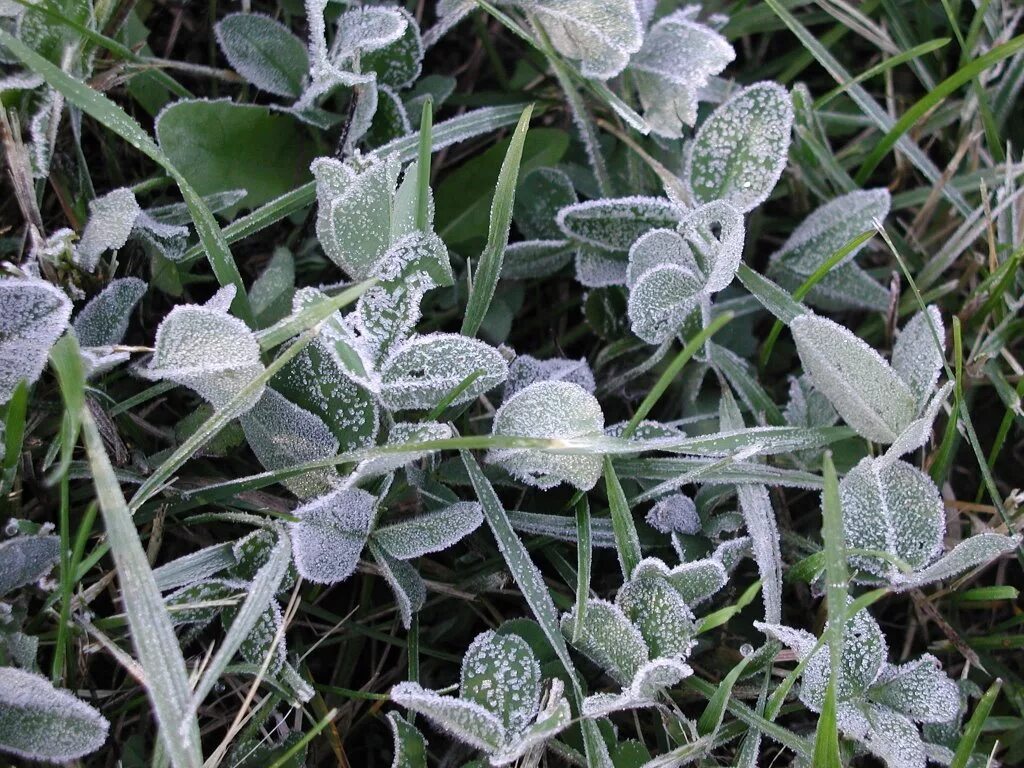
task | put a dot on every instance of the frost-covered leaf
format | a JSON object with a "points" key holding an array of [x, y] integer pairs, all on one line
{"points": [[676, 60], [196, 605], [26, 559], [845, 287], [807, 407], [657, 248], [885, 733], [390, 119], [863, 655], [614, 224], [423, 370], [740, 151], [676, 513], [648, 683], [695, 581], [408, 588], [401, 433], [397, 64], [264, 52], [112, 218], [919, 430], [526, 370], [282, 434], [351, 353], [532, 259], [410, 746], [893, 507], [608, 638], [40, 722], [549, 409], [919, 352], [260, 643], [430, 532], [33, 315], [661, 301], [918, 689], [542, 193], [252, 552], [597, 268], [354, 212], [465, 720], [271, 293], [600, 34], [660, 613], [800, 641], [864, 389], [829, 228], [501, 674], [715, 233], [367, 29], [104, 320], [969, 553], [555, 717], [759, 517], [330, 535], [208, 351]]}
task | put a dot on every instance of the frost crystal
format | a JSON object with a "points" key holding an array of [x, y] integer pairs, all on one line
{"points": [[330, 535], [675, 514], [596, 268], [33, 314], [500, 673], [557, 410], [112, 218], [740, 151], [919, 352], [614, 224], [264, 52], [26, 559], [526, 370], [430, 532], [400, 434], [104, 320], [676, 60], [40, 722], [208, 351]]}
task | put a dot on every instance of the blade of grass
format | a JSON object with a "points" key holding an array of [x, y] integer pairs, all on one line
{"points": [[772, 297], [488, 267], [14, 435], [965, 748], [423, 165], [800, 293], [584, 557], [883, 66], [627, 542], [711, 719], [115, 119], [932, 99]]}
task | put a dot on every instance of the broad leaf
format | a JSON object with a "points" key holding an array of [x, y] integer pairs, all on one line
{"points": [[526, 370], [410, 746], [531, 259], [426, 368], [104, 320], [430, 532], [549, 409], [26, 559], [401, 433], [918, 689], [33, 314], [541, 194], [969, 553], [112, 218], [607, 637], [864, 389], [40, 722], [397, 64], [661, 301], [600, 34], [330, 535], [678, 57], [695, 581], [715, 233], [614, 224], [465, 720], [675, 513], [919, 352], [264, 52], [501, 674], [661, 615], [740, 151], [863, 654], [551, 720], [408, 588], [272, 292]]}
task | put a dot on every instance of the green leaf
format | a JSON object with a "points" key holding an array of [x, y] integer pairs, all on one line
{"points": [[26, 559], [501, 674], [219, 145], [33, 315], [429, 532], [488, 266], [711, 719], [465, 720], [410, 746], [608, 638], [264, 52], [965, 748], [330, 535], [40, 722], [627, 543]]}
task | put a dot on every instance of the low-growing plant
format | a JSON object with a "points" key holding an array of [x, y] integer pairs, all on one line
{"points": [[663, 337]]}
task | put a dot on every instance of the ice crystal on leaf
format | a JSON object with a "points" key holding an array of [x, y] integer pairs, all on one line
{"points": [[398, 63], [676, 60], [740, 151], [430, 532], [613, 224], [330, 535], [541, 194], [208, 351], [33, 315], [878, 704], [112, 218], [599, 34], [26, 559], [526, 370], [40, 722], [558, 410], [596, 268], [102, 323], [919, 352], [424, 369], [264, 52], [403, 433], [499, 708], [675, 513]]}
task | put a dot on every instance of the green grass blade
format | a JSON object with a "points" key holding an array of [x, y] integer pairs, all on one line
{"points": [[772, 297], [965, 748], [488, 267], [584, 558], [932, 99], [826, 738], [423, 165], [627, 542], [14, 435], [711, 719], [883, 66], [115, 119]]}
